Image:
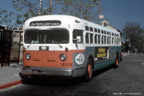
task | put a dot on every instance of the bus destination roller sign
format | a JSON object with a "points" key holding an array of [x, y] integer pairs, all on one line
{"points": [[45, 23]]}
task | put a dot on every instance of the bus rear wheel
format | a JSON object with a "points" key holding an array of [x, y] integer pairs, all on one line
{"points": [[89, 71], [116, 64]]}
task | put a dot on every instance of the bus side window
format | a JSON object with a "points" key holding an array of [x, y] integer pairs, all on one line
{"points": [[102, 39], [98, 39], [98, 30], [95, 38], [115, 41], [109, 40], [86, 28], [112, 40], [91, 29], [91, 38], [87, 38], [78, 36], [95, 29]]}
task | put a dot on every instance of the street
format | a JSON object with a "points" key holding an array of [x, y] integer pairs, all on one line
{"points": [[126, 80]]}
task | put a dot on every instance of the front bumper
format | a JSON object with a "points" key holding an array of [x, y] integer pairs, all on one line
{"points": [[66, 72]]}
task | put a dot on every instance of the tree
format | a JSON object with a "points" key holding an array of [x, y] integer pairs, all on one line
{"points": [[35, 7], [85, 9], [134, 34], [30, 8], [80, 8], [7, 18]]}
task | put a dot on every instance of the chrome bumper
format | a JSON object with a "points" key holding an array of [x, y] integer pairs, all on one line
{"points": [[67, 72]]}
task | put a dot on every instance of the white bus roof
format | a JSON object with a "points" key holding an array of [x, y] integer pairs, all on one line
{"points": [[66, 18]]}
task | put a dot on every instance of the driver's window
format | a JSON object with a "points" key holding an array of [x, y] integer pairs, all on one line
{"points": [[78, 36]]}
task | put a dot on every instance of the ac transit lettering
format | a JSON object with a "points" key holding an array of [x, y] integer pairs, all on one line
{"points": [[101, 52], [99, 55]]}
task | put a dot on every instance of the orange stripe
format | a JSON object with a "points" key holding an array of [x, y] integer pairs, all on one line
{"points": [[50, 58]]}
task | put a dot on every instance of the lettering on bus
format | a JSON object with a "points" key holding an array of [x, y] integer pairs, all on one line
{"points": [[45, 23], [66, 64], [102, 53]]}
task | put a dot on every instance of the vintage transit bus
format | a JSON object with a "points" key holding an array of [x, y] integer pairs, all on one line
{"points": [[62, 45]]}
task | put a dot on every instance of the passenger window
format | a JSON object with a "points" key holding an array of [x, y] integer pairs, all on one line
{"points": [[109, 40], [115, 41], [98, 30], [112, 40], [91, 38], [104, 39], [95, 29], [86, 28], [102, 31], [91, 29], [98, 39], [95, 38], [87, 38]]}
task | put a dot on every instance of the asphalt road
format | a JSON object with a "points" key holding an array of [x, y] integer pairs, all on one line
{"points": [[126, 80]]}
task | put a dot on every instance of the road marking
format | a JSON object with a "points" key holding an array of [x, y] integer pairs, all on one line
{"points": [[142, 63]]}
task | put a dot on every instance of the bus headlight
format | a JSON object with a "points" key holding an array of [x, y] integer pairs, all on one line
{"points": [[28, 56], [63, 57]]}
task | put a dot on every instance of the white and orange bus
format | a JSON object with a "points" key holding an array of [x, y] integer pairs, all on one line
{"points": [[62, 45]]}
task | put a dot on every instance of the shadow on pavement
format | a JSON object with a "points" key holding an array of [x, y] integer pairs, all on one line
{"points": [[60, 81]]}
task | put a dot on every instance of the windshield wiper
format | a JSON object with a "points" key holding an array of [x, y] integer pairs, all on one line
{"points": [[57, 43]]}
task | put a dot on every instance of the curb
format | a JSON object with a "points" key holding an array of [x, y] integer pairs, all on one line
{"points": [[6, 85]]}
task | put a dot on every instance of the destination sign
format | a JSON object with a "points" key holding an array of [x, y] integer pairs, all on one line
{"points": [[45, 23]]}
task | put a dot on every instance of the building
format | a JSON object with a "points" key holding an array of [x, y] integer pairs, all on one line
{"points": [[106, 23]]}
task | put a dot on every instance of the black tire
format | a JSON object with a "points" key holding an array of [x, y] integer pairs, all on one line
{"points": [[25, 79], [121, 56], [89, 71]]}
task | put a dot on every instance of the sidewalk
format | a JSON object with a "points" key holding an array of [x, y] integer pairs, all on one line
{"points": [[9, 73]]}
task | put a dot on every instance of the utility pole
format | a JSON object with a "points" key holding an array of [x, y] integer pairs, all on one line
{"points": [[40, 8], [99, 8], [50, 7]]}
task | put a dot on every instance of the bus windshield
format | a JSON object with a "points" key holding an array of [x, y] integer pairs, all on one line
{"points": [[59, 36]]}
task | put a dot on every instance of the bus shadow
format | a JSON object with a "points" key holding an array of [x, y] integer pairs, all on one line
{"points": [[61, 81], [98, 72], [53, 81]]}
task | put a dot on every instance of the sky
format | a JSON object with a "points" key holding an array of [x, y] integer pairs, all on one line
{"points": [[118, 12]]}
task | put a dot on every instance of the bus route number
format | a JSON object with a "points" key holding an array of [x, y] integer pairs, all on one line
{"points": [[66, 64]]}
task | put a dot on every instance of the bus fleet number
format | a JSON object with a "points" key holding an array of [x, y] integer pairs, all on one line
{"points": [[66, 64]]}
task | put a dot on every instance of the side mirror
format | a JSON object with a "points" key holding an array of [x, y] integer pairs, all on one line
{"points": [[78, 39]]}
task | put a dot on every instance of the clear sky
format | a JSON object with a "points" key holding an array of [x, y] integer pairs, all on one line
{"points": [[118, 12]]}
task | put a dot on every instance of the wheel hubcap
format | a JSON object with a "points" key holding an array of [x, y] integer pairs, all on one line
{"points": [[117, 61], [89, 70]]}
